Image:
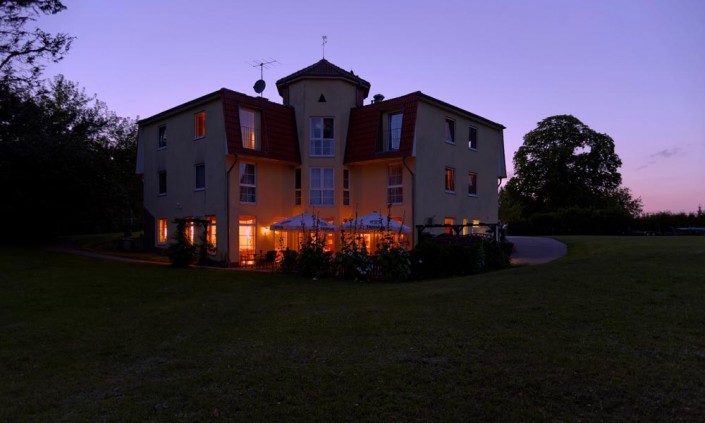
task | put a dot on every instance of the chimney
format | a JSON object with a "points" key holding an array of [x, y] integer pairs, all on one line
{"points": [[377, 98]]}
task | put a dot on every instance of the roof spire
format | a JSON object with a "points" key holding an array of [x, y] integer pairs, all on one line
{"points": [[323, 44]]}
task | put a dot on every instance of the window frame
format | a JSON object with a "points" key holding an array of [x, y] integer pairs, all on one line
{"points": [[449, 128], [449, 183], [321, 188], [161, 192], [162, 231], [199, 125], [327, 145], [199, 167], [248, 186], [161, 137], [257, 129], [474, 185], [472, 143], [297, 186], [395, 191], [390, 134], [346, 187]]}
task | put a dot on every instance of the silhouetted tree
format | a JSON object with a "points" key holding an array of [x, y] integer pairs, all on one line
{"points": [[23, 49]]}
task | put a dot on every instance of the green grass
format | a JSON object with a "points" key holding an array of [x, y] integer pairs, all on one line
{"points": [[614, 331]]}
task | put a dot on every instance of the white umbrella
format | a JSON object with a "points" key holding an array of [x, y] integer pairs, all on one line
{"points": [[303, 220], [375, 222]]}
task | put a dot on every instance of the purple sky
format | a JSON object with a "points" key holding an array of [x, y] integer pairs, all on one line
{"points": [[634, 69]]}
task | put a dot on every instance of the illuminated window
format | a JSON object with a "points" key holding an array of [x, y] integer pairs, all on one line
{"points": [[250, 128], [322, 136], [394, 137], [248, 187], [163, 235], [466, 229], [472, 138], [162, 137], [322, 186], [199, 125], [247, 232], [162, 183], [211, 231], [450, 131], [190, 230], [448, 221], [346, 187], [297, 187], [395, 191], [200, 176], [472, 183], [450, 179]]}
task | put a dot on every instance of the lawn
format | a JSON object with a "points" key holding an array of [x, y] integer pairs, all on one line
{"points": [[613, 331]]}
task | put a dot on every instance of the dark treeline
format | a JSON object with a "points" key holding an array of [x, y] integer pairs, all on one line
{"points": [[67, 163]]}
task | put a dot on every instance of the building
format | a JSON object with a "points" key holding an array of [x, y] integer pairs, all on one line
{"points": [[244, 162]]}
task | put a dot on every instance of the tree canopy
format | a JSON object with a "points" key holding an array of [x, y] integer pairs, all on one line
{"points": [[22, 49], [564, 164]]}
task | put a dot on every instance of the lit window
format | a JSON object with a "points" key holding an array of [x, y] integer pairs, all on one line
{"points": [[200, 176], [200, 125], [346, 187], [190, 230], [162, 183], [250, 128], [322, 186], [297, 187], [322, 136], [472, 183], [247, 231], [394, 131], [395, 191], [163, 231], [448, 221], [248, 186], [211, 232], [450, 179], [162, 137], [450, 131], [472, 138]]}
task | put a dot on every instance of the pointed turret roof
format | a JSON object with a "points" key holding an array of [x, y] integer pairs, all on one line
{"points": [[323, 69]]}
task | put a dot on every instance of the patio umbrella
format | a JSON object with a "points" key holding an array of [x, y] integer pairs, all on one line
{"points": [[375, 222], [303, 220]]}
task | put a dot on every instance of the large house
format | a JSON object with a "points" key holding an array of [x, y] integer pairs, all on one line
{"points": [[243, 162]]}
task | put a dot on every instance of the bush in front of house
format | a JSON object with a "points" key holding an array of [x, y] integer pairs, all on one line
{"points": [[430, 259], [181, 252]]}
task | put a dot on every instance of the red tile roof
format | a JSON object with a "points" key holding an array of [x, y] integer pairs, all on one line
{"points": [[279, 135], [365, 129], [323, 68]]}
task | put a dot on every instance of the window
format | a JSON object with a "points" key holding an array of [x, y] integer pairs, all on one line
{"points": [[210, 233], [250, 129], [247, 231], [395, 191], [322, 186], [248, 180], [162, 183], [450, 179], [472, 138], [190, 230], [450, 131], [200, 176], [162, 137], [448, 221], [162, 231], [346, 187], [322, 137], [297, 187], [472, 183], [466, 227], [394, 137], [199, 125]]}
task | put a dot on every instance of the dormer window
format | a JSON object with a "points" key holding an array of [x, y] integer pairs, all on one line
{"points": [[394, 131], [250, 124]]}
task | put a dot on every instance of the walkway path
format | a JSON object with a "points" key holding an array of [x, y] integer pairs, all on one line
{"points": [[536, 250]]}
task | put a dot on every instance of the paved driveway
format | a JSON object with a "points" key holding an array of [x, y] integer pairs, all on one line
{"points": [[536, 250]]}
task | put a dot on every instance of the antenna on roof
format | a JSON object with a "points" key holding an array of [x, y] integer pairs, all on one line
{"points": [[323, 44], [262, 64]]}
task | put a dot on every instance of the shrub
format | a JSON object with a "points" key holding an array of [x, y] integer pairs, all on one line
{"points": [[181, 252]]}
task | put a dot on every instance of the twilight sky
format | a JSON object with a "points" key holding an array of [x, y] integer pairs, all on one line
{"points": [[633, 69]]}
